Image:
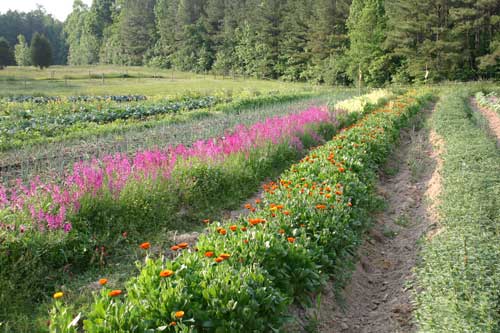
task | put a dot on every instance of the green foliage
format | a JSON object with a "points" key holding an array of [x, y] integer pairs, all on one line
{"points": [[41, 51], [459, 277], [5, 54], [22, 52], [272, 262]]}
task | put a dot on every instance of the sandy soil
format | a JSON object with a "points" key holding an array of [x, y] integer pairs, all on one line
{"points": [[379, 295]]}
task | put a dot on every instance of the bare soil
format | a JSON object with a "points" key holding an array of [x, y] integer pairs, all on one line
{"points": [[378, 297], [491, 116]]}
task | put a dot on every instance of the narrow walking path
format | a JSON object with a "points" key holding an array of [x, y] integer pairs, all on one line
{"points": [[379, 295]]}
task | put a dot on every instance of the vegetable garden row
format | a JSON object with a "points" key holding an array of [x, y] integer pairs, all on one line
{"points": [[242, 274], [47, 227]]}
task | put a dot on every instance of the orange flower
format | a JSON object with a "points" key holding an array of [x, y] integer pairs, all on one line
{"points": [[233, 228], [209, 254], [321, 206], [341, 169], [223, 231], [174, 248], [183, 245], [291, 239], [286, 212], [218, 259], [224, 256], [328, 195], [245, 241], [145, 245], [102, 282], [257, 201], [338, 192], [173, 323], [206, 221], [166, 273], [58, 295], [179, 314], [114, 293], [349, 204], [248, 206], [256, 221], [281, 231], [243, 228]]}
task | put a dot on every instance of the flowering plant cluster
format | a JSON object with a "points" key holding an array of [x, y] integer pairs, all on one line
{"points": [[242, 274]]}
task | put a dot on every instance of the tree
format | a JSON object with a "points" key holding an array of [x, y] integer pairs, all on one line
{"points": [[5, 54], [41, 51], [22, 52], [367, 31]]}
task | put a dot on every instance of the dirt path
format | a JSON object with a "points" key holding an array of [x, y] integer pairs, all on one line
{"points": [[379, 295], [491, 116]]}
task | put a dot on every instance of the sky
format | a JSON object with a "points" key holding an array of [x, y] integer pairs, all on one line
{"points": [[58, 8]]}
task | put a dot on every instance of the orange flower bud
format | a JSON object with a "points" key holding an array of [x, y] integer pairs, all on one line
{"points": [[166, 273]]}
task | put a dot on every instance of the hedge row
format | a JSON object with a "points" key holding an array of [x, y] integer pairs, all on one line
{"points": [[243, 274]]}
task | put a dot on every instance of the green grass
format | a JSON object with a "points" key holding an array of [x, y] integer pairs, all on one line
{"points": [[459, 277], [32, 81]]}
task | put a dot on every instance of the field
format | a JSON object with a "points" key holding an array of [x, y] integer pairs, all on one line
{"points": [[132, 201]]}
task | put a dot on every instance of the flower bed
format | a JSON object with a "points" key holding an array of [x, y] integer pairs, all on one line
{"points": [[242, 275]]}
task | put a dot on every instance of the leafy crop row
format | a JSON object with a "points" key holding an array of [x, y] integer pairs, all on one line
{"points": [[459, 279], [80, 98], [490, 100], [242, 275]]}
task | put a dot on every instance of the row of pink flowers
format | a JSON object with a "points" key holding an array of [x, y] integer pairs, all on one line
{"points": [[47, 205]]}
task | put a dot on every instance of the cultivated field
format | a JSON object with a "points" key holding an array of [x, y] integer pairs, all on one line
{"points": [[132, 201]]}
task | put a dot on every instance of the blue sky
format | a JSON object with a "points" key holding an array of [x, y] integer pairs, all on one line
{"points": [[58, 8]]}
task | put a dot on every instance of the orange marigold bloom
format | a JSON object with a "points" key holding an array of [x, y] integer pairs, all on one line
{"points": [[145, 245], [321, 206], [206, 221], [58, 295], [328, 195], [286, 212], [233, 228], [281, 231], [341, 169], [338, 192], [114, 293], [173, 323], [257, 201], [248, 206], [243, 228], [103, 281], [209, 254], [225, 256], [291, 239], [218, 259], [223, 231], [256, 221], [183, 245], [174, 248], [245, 241], [349, 204], [166, 273], [179, 314]]}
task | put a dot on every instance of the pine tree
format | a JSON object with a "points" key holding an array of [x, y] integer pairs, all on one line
{"points": [[41, 51], [137, 30], [367, 30], [5, 54]]}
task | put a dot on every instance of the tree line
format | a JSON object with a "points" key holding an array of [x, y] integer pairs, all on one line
{"points": [[324, 41]]}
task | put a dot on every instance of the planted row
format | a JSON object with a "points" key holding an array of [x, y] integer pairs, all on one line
{"points": [[241, 275], [51, 99], [48, 227], [459, 277], [490, 100]]}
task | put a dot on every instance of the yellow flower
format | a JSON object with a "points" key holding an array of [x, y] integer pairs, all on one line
{"points": [[58, 295]]}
